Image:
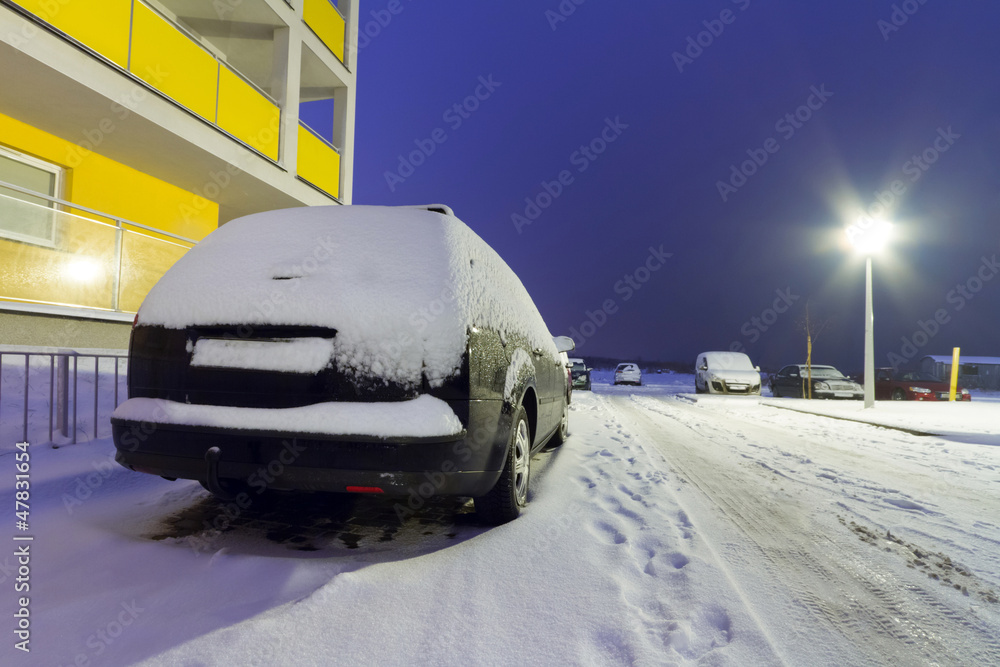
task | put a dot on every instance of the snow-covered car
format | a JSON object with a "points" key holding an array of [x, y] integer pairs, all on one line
{"points": [[628, 373], [726, 373], [901, 385], [581, 374], [827, 382], [364, 349]]}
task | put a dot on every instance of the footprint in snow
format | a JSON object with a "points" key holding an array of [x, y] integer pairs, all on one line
{"points": [[905, 504], [607, 533], [685, 525], [678, 560]]}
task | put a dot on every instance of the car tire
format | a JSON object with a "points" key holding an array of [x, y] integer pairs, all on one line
{"points": [[563, 431], [509, 495], [898, 395]]}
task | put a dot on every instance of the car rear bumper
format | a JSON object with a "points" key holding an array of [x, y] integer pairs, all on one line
{"points": [[464, 464], [936, 397]]}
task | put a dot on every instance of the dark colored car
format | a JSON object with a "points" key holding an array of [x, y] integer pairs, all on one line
{"points": [[827, 382], [581, 374], [364, 349], [899, 385]]}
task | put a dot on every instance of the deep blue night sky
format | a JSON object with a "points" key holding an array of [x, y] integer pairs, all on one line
{"points": [[887, 92]]}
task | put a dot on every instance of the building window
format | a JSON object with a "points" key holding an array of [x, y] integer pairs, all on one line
{"points": [[24, 217]]}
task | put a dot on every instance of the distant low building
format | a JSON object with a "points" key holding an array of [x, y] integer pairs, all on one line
{"points": [[973, 372]]}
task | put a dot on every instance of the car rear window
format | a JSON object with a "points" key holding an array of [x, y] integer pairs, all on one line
{"points": [[401, 286]]}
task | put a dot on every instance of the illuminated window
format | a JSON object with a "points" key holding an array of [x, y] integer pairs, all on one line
{"points": [[24, 217]]}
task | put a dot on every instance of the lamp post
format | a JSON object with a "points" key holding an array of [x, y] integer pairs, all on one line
{"points": [[869, 337], [868, 237]]}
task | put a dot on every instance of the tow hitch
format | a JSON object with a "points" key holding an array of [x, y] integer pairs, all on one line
{"points": [[212, 474]]}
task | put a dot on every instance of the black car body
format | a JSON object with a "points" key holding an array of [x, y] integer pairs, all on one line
{"points": [[581, 374], [827, 382], [236, 400]]}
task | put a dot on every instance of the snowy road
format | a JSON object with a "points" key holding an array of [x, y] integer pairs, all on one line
{"points": [[780, 508], [668, 530]]}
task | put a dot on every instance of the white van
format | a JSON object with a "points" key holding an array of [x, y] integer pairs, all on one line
{"points": [[726, 373]]}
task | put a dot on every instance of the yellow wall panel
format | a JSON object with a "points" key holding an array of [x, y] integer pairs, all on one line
{"points": [[168, 60], [103, 25], [327, 23], [318, 163], [34, 273], [106, 185], [247, 114]]}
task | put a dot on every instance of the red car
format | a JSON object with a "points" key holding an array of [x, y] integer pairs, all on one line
{"points": [[913, 386]]}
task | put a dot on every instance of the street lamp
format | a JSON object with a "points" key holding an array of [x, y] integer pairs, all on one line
{"points": [[869, 236]]}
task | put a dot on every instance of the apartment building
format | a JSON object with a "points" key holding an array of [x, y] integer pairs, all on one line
{"points": [[130, 129]]}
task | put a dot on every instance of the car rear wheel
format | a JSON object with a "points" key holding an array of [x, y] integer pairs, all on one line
{"points": [[898, 395], [563, 431], [509, 495]]}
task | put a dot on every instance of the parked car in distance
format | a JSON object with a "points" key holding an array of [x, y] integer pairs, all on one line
{"points": [[351, 349], [628, 373], [726, 373], [827, 381], [899, 385], [581, 374]]}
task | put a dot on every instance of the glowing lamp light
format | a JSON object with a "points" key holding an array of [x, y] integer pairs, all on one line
{"points": [[83, 270], [868, 235]]}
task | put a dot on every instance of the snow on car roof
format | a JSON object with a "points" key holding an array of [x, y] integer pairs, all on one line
{"points": [[400, 285], [735, 361]]}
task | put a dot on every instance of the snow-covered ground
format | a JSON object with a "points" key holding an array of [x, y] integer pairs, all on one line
{"points": [[669, 529]]}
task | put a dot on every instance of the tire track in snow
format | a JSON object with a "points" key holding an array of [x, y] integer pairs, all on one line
{"points": [[873, 455], [812, 573], [644, 526]]}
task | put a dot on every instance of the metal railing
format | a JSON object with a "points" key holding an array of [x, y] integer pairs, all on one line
{"points": [[82, 261], [65, 406]]}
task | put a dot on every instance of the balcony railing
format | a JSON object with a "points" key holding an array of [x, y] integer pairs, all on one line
{"points": [[142, 41], [318, 161], [323, 18], [65, 254]]}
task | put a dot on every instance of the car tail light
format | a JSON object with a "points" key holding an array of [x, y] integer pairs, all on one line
{"points": [[364, 489], [135, 320]]}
